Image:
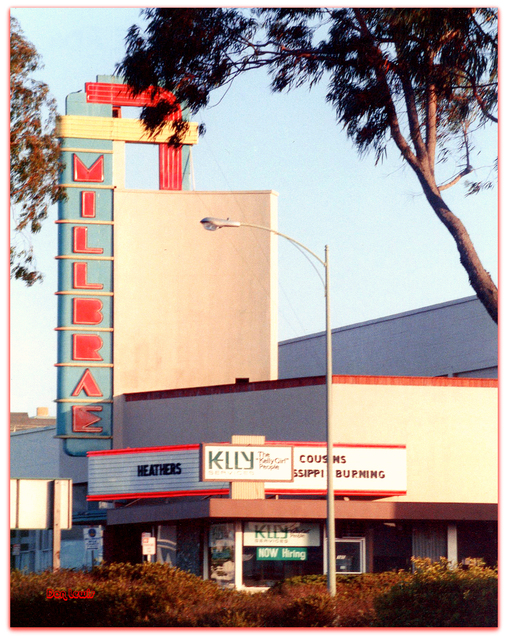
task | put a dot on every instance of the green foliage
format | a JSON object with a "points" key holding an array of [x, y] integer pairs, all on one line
{"points": [[437, 594], [418, 78], [35, 153], [156, 595], [434, 59]]}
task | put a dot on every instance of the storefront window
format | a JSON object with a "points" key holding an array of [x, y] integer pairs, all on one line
{"points": [[276, 551], [263, 567], [350, 555], [392, 546], [222, 553], [166, 544]]}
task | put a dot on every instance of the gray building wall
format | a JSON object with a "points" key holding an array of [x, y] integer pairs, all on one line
{"points": [[456, 338], [35, 453]]}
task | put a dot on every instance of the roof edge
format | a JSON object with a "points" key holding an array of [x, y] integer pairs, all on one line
{"points": [[291, 383], [395, 316]]}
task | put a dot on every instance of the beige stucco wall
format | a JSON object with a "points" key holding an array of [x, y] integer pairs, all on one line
{"points": [[450, 432], [193, 307]]}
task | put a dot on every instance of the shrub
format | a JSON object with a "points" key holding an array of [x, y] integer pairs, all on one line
{"points": [[314, 610], [437, 594], [157, 595], [354, 602], [124, 596]]}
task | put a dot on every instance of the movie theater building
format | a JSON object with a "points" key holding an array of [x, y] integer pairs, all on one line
{"points": [[158, 357], [415, 475]]}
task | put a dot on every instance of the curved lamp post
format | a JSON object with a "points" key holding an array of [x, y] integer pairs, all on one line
{"points": [[212, 224]]}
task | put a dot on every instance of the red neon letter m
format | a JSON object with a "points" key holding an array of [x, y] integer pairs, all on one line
{"points": [[84, 174]]}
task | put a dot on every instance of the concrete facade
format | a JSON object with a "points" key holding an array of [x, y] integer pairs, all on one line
{"points": [[449, 426], [193, 307]]}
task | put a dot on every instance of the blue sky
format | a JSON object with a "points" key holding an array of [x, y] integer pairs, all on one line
{"points": [[389, 253]]}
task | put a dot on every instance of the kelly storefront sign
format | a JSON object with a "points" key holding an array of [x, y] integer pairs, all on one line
{"points": [[284, 534], [232, 463]]}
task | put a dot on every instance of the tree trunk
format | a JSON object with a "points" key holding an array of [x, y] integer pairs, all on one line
{"points": [[479, 278]]}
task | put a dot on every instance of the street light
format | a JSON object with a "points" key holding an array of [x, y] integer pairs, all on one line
{"points": [[212, 224]]}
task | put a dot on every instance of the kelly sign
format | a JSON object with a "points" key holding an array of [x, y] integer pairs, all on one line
{"points": [[286, 534], [246, 462]]}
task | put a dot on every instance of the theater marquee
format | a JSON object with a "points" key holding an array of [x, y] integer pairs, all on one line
{"points": [[359, 469], [375, 470]]}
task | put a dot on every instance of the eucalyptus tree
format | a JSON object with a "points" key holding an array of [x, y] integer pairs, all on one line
{"points": [[34, 154], [421, 79]]}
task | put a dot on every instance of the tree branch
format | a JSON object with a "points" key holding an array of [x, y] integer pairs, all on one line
{"points": [[458, 177], [393, 119]]}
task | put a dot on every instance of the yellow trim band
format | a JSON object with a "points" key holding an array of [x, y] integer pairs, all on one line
{"points": [[75, 364], [78, 150], [121, 129], [85, 292], [83, 221], [84, 256]]}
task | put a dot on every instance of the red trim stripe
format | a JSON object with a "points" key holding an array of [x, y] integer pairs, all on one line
{"points": [[336, 444], [268, 443], [160, 494], [268, 385], [116, 452], [218, 492], [322, 492]]}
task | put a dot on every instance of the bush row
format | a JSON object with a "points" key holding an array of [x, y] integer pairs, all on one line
{"points": [[156, 595], [437, 595]]}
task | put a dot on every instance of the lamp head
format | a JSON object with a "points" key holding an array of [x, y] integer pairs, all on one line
{"points": [[212, 224]]}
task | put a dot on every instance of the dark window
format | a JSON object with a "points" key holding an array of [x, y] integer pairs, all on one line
{"points": [[392, 544], [477, 540], [350, 555]]}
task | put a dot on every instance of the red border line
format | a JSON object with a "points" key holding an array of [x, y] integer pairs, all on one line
{"points": [[118, 452], [269, 443], [289, 383], [217, 492], [340, 444], [157, 494], [337, 492]]}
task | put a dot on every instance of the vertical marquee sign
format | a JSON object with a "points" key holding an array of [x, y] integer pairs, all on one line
{"points": [[85, 254]]}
